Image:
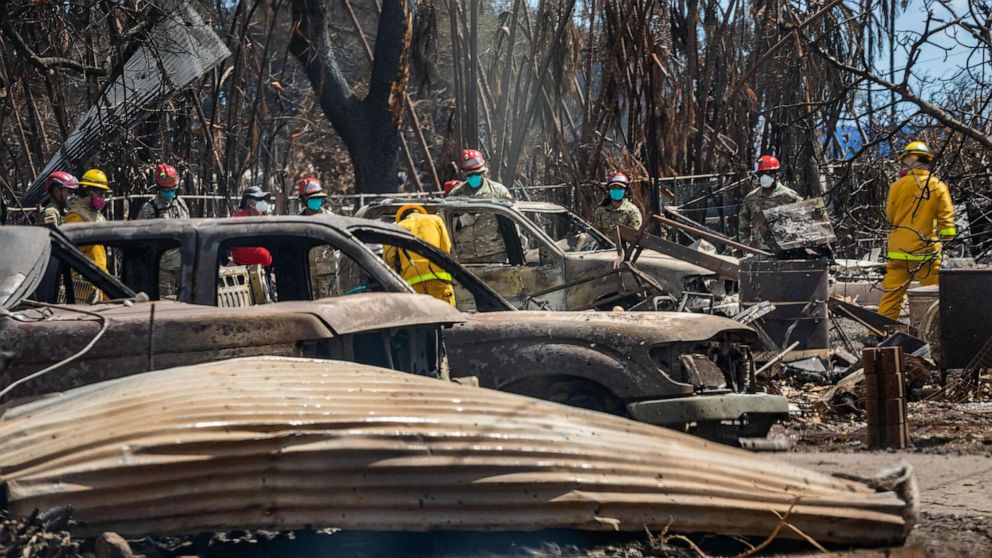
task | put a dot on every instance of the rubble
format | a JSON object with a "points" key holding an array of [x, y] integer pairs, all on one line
{"points": [[275, 443], [38, 535], [804, 224]]}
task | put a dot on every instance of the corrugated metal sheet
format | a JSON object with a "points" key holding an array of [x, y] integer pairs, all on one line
{"points": [[180, 49], [286, 443]]}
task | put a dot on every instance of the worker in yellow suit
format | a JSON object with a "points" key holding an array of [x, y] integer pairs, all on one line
{"points": [[86, 207], [415, 269], [920, 214]]}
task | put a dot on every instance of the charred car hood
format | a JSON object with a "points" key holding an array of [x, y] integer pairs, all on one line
{"points": [[650, 327], [24, 256]]}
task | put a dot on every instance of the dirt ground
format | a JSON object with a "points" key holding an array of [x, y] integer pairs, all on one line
{"points": [[955, 500], [951, 452]]}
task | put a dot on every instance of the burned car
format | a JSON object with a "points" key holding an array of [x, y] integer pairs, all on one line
{"points": [[555, 260], [636, 364], [129, 333]]}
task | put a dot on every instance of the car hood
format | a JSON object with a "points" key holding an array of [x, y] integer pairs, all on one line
{"points": [[650, 327], [649, 261], [24, 256]]}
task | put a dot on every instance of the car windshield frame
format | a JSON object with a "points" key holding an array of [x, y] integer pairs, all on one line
{"points": [[574, 219]]}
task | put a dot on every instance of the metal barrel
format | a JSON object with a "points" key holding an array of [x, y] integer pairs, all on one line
{"points": [[798, 289]]}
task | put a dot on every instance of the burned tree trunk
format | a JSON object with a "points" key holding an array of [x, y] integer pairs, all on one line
{"points": [[369, 127]]}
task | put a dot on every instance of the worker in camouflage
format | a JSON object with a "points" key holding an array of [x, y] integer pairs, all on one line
{"points": [[166, 204], [59, 186], [323, 266], [312, 197], [752, 228], [616, 209], [477, 237], [476, 181]]}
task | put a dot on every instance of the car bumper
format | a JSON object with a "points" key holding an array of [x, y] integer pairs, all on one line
{"points": [[700, 408]]}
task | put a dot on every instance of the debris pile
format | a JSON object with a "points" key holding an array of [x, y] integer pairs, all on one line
{"points": [[38, 535]]}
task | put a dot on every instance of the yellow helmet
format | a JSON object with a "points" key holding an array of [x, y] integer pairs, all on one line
{"points": [[95, 178], [918, 148], [409, 207]]}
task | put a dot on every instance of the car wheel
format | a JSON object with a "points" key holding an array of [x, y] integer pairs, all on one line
{"points": [[580, 393]]}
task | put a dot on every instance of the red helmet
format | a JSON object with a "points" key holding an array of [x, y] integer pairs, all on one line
{"points": [[166, 176], [309, 188], [472, 160], [618, 178], [768, 163], [449, 186], [62, 180]]}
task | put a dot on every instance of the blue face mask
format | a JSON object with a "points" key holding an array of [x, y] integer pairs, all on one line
{"points": [[474, 180], [169, 194], [616, 194], [314, 204]]}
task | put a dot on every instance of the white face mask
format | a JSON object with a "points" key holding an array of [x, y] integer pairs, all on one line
{"points": [[262, 207], [767, 181]]}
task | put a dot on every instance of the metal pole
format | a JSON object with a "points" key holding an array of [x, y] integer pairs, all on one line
{"points": [[713, 237]]}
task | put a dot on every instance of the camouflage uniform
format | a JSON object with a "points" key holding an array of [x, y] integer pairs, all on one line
{"points": [[323, 265], [477, 238], [752, 228], [606, 218], [52, 214], [489, 189], [160, 208]]}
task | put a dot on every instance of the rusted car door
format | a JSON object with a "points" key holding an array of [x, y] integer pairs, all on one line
{"points": [[532, 264]]}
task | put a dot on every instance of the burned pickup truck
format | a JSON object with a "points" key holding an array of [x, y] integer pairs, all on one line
{"points": [[554, 260], [127, 333], [636, 364]]}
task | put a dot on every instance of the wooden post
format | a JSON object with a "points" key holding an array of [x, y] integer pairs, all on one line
{"points": [[885, 398]]}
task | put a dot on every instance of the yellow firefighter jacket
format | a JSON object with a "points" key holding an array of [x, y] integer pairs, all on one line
{"points": [[80, 212], [413, 268], [918, 208]]}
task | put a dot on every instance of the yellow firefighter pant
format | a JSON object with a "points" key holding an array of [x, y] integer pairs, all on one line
{"points": [[898, 275], [440, 290]]}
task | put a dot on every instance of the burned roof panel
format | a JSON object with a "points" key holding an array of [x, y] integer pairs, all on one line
{"points": [[265, 443]]}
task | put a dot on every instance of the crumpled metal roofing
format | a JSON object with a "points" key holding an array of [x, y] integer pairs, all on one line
{"points": [[287, 443]]}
